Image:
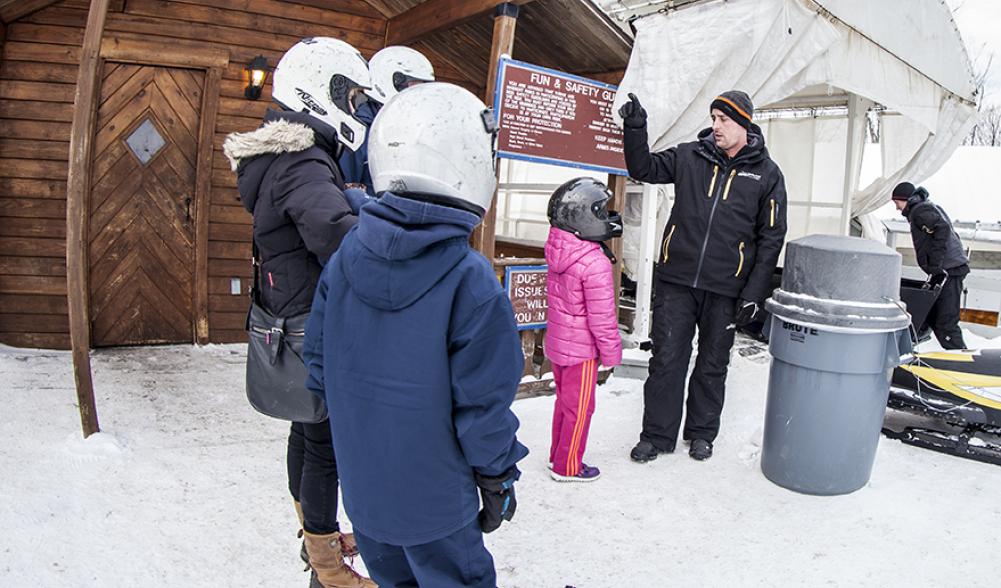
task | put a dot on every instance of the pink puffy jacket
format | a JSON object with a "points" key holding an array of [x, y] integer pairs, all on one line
{"points": [[583, 323]]}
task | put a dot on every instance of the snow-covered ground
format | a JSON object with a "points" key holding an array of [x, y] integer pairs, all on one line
{"points": [[186, 487]]}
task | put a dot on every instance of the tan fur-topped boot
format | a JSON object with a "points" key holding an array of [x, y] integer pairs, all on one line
{"points": [[348, 544], [329, 568]]}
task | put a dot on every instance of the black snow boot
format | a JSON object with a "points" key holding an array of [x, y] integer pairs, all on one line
{"points": [[700, 450], [644, 452]]}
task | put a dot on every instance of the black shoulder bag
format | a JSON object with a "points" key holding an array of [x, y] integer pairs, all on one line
{"points": [[276, 373]]}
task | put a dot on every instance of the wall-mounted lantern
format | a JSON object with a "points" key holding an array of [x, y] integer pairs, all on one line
{"points": [[257, 73]]}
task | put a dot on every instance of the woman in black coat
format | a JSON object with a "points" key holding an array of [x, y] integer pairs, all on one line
{"points": [[289, 180]]}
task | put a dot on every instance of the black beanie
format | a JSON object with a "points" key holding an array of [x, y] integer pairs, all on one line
{"points": [[737, 105], [903, 191]]}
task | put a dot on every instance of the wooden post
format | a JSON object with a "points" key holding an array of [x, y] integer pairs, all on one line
{"points": [[77, 207], [203, 195], [617, 184], [505, 20]]}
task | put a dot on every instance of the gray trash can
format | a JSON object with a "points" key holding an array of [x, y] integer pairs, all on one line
{"points": [[836, 330]]}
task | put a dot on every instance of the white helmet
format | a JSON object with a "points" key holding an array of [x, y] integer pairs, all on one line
{"points": [[435, 142], [396, 68], [324, 78]]}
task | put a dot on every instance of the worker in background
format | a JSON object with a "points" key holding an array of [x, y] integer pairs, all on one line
{"points": [[940, 254]]}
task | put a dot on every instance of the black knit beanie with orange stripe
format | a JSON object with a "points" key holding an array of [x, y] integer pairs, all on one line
{"points": [[737, 105]]}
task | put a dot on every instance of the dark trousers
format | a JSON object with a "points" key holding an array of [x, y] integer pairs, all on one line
{"points": [[461, 559], [312, 475], [677, 311], [943, 318]]}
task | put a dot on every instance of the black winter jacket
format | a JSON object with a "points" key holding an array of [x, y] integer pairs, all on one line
{"points": [[728, 222], [288, 179], [936, 244]]}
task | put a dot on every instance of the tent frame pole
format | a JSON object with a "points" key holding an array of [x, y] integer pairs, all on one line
{"points": [[647, 257], [855, 146]]}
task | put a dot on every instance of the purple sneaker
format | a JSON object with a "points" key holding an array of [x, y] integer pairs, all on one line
{"points": [[586, 474]]}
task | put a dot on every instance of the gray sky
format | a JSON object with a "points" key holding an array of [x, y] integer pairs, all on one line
{"points": [[979, 23]]}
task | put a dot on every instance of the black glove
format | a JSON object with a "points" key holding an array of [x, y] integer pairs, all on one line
{"points": [[499, 503], [936, 280], [632, 113], [745, 312]]}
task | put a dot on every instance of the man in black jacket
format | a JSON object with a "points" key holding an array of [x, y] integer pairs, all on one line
{"points": [[940, 254], [715, 263]]}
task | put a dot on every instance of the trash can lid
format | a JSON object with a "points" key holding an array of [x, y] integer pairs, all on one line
{"points": [[841, 283]]}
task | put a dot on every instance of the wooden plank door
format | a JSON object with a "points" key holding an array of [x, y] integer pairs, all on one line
{"points": [[142, 230]]}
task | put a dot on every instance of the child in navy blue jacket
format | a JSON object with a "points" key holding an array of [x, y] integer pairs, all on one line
{"points": [[413, 344]]}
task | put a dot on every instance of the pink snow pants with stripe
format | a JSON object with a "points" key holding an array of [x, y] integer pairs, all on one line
{"points": [[572, 415]]}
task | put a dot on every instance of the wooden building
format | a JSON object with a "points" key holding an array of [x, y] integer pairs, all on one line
{"points": [[112, 178]]}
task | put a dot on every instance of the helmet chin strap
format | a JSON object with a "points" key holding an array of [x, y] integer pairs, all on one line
{"points": [[604, 248], [608, 252]]}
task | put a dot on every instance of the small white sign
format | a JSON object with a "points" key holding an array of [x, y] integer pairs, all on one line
{"points": [[234, 286]]}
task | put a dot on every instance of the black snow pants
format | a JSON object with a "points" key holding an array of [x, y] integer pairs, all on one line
{"points": [[312, 475], [943, 318], [677, 312]]}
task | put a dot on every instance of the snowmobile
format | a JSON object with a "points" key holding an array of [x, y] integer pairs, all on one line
{"points": [[959, 394]]}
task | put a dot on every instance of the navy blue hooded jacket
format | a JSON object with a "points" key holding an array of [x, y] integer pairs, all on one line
{"points": [[354, 164], [413, 343]]}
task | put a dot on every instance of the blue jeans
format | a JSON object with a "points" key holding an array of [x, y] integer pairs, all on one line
{"points": [[459, 560]]}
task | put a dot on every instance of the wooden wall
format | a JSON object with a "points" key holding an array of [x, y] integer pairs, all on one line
{"points": [[37, 78], [37, 75]]}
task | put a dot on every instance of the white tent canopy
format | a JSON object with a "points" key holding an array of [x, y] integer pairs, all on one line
{"points": [[905, 55]]}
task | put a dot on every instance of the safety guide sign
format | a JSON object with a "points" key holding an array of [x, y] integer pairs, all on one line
{"points": [[547, 116]]}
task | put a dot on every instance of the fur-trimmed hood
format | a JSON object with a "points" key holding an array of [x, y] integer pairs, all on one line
{"points": [[273, 137], [283, 132]]}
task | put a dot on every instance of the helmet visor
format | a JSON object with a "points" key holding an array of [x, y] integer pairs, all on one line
{"points": [[346, 94], [402, 81], [356, 97], [600, 207]]}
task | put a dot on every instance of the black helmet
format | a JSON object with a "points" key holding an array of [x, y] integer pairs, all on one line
{"points": [[578, 207]]}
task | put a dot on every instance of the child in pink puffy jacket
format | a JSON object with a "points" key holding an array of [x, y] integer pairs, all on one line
{"points": [[583, 326]]}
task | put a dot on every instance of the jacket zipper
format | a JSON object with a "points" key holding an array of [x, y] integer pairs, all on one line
{"points": [[740, 265], [262, 331], [772, 225], [709, 227], [712, 184], [667, 243], [726, 191]]}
